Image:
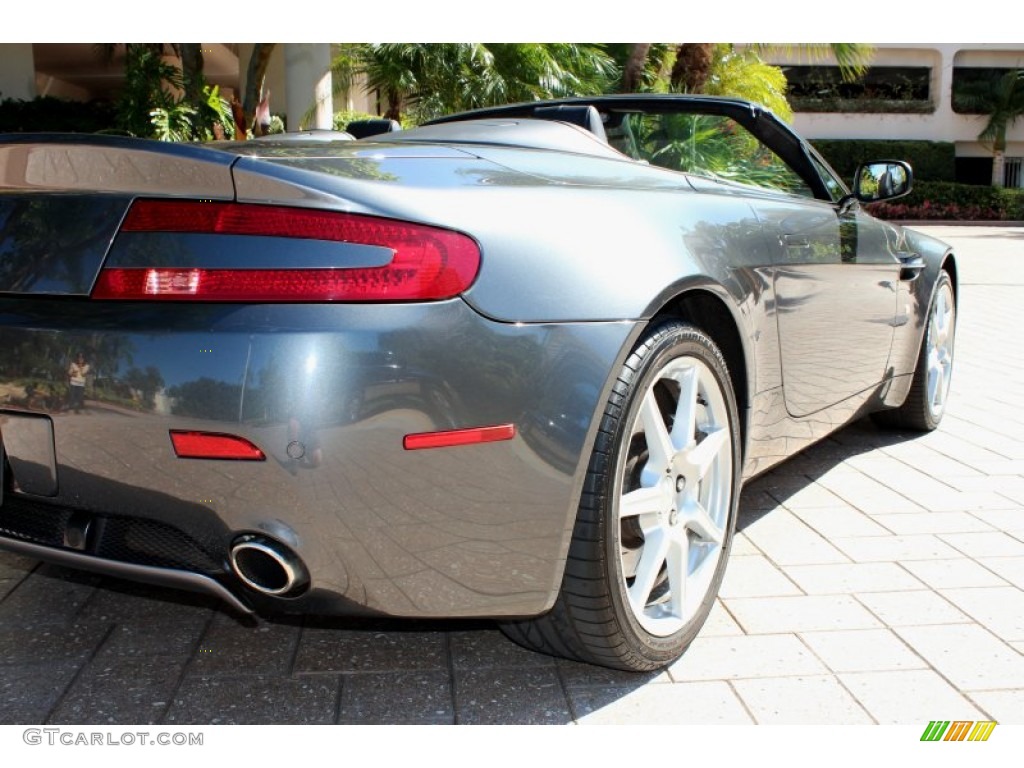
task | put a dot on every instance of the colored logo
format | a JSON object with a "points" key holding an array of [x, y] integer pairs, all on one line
{"points": [[959, 730]]}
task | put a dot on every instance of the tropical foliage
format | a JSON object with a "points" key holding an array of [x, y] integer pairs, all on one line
{"points": [[744, 74], [164, 101], [148, 84], [705, 145], [1002, 101], [851, 58], [688, 67], [644, 67], [418, 81], [424, 80], [182, 121]]}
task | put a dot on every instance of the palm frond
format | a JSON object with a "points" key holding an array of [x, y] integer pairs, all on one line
{"points": [[852, 59], [1001, 100], [743, 74], [433, 79]]}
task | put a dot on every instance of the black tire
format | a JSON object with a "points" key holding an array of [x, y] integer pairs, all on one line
{"points": [[922, 411], [592, 619]]}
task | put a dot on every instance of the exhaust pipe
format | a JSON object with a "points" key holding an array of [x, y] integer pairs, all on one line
{"points": [[268, 566]]}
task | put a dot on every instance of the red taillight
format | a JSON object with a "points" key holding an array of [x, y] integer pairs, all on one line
{"points": [[428, 263], [453, 437], [213, 445]]}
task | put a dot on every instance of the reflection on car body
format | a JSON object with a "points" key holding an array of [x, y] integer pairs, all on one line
{"points": [[513, 364]]}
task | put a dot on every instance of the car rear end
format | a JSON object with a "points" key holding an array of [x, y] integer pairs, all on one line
{"points": [[286, 401]]}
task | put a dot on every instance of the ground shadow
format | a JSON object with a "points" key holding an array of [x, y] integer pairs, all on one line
{"points": [[773, 488]]}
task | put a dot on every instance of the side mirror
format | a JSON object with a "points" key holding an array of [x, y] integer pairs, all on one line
{"points": [[882, 180]]}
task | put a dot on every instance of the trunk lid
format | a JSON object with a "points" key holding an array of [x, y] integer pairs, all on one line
{"points": [[63, 196]]}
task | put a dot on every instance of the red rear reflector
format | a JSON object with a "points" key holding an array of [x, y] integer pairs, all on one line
{"points": [[458, 437], [211, 445], [428, 263]]}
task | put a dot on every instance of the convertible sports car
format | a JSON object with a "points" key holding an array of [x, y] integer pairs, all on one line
{"points": [[514, 364]]}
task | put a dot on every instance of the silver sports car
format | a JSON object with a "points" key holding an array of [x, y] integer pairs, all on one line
{"points": [[515, 364]]}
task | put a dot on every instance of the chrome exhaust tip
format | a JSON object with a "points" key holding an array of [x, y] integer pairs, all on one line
{"points": [[268, 566]]}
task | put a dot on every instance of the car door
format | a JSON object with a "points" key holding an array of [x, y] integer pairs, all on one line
{"points": [[836, 284], [835, 275]]}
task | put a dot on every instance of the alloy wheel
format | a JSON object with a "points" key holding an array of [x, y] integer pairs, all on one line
{"points": [[675, 488], [941, 325]]}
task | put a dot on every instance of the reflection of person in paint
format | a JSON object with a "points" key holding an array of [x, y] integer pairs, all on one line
{"points": [[77, 372]]}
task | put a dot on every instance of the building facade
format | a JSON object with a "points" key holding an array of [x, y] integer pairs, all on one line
{"points": [[298, 76], [909, 93]]}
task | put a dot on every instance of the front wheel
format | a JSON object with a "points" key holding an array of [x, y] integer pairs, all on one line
{"points": [[929, 391], [657, 513]]}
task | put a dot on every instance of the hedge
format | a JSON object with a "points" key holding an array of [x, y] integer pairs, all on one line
{"points": [[46, 113], [931, 160], [942, 200]]}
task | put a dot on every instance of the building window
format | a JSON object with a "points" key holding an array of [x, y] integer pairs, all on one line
{"points": [[974, 170], [1012, 173], [881, 89]]}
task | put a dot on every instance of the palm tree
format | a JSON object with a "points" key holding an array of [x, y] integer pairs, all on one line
{"points": [[632, 72], [432, 79], [523, 71], [255, 73], [694, 62], [192, 79], [400, 72], [693, 67], [742, 73], [1003, 101]]}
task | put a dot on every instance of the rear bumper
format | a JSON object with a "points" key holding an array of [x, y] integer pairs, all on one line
{"points": [[164, 577], [327, 392]]}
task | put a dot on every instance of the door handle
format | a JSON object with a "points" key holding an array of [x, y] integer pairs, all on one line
{"points": [[795, 241], [911, 266]]}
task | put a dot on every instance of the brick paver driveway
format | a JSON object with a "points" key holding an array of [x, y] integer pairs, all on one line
{"points": [[875, 578]]}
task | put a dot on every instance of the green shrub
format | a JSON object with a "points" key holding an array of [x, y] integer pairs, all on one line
{"points": [[931, 160], [941, 200], [46, 113]]}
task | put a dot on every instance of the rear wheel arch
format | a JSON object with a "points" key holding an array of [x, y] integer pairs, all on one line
{"points": [[648, 550], [709, 312]]}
